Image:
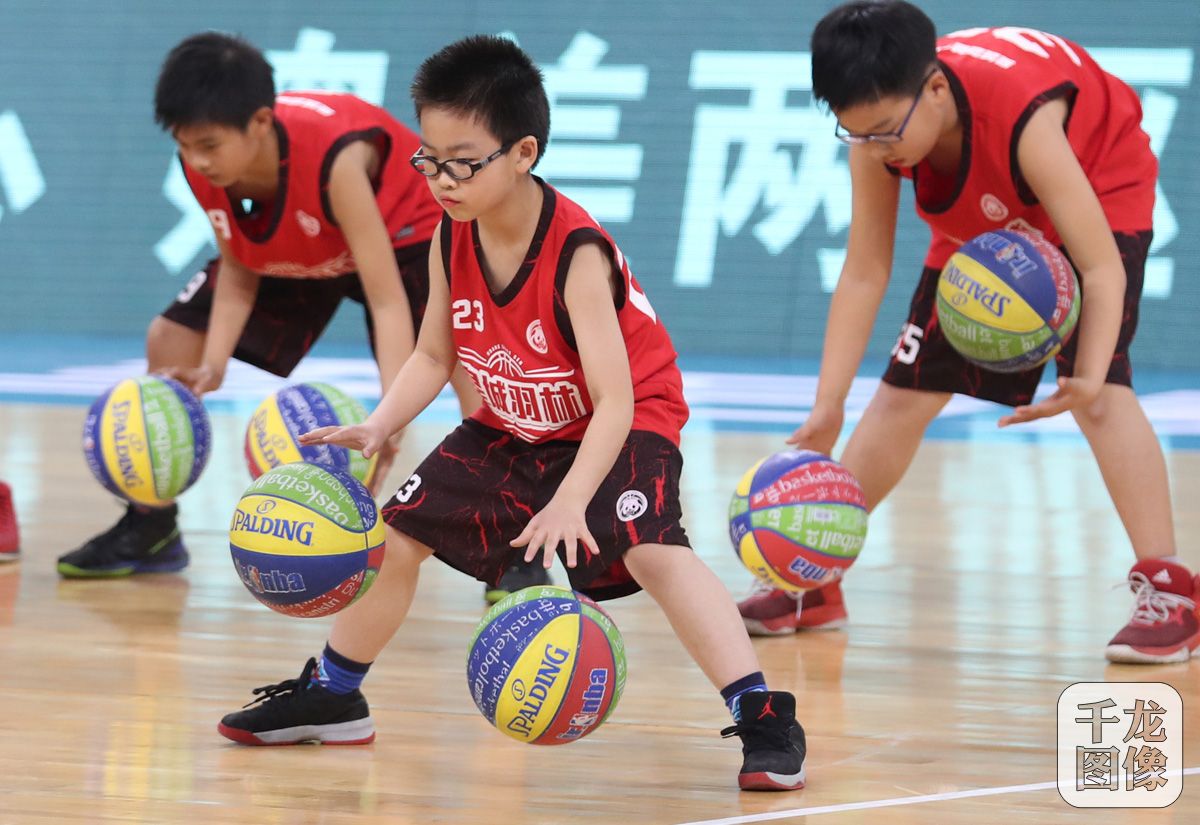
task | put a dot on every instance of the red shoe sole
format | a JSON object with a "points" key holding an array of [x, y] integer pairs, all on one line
{"points": [[245, 737], [769, 782]]}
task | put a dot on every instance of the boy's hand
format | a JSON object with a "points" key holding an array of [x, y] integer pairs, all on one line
{"points": [[820, 432], [387, 456], [199, 380], [557, 522], [366, 438], [1072, 393]]}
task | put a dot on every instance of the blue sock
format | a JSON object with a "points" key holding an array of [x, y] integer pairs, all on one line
{"points": [[733, 692], [337, 674]]}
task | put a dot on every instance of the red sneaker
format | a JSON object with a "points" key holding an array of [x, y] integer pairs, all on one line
{"points": [[823, 608], [1163, 627], [768, 611], [10, 539]]}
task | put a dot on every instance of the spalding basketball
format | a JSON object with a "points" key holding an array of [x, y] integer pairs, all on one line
{"points": [[546, 665], [798, 519], [306, 540], [1007, 301], [272, 436], [146, 439]]}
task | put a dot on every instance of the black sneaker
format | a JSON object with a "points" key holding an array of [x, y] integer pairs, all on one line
{"points": [[141, 542], [301, 710], [521, 575], [773, 746]]}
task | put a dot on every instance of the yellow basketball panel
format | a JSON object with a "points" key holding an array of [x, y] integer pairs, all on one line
{"points": [[752, 557], [278, 527], [976, 292], [538, 681], [124, 443], [743, 488], [270, 442]]}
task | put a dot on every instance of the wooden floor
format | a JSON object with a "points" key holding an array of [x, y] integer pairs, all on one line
{"points": [[984, 591]]}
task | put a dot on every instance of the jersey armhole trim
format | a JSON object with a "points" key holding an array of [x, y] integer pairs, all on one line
{"points": [[376, 136], [577, 238], [1067, 90]]}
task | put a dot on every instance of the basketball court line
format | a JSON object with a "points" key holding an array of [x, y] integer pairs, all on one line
{"points": [[896, 802]]}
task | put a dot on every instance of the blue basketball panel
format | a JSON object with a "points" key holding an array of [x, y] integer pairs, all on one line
{"points": [[93, 453], [1012, 258], [304, 408], [287, 580], [778, 465], [502, 642]]}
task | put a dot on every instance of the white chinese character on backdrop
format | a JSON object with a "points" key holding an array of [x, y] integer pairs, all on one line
{"points": [[788, 164], [20, 176], [585, 163], [312, 65], [1148, 70]]}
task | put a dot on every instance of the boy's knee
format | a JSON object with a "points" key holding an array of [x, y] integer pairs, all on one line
{"points": [[401, 549]]}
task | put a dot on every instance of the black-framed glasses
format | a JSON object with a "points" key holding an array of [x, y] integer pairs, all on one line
{"points": [[456, 168], [894, 136]]}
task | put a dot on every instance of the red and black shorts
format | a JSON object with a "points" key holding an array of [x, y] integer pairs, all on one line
{"points": [[290, 314], [924, 360], [476, 492]]}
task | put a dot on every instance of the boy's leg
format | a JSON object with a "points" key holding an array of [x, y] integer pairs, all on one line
{"points": [[288, 317], [1164, 627], [705, 619], [325, 704], [879, 452]]}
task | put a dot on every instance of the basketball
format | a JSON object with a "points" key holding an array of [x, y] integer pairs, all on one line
{"points": [[1007, 301], [798, 519], [277, 423], [546, 665], [146, 439], [306, 540]]}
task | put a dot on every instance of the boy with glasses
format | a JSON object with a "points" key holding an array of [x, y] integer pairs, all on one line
{"points": [[997, 128], [576, 449]]}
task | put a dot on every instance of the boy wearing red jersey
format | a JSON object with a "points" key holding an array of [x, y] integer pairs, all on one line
{"points": [[997, 128], [311, 201], [576, 444]]}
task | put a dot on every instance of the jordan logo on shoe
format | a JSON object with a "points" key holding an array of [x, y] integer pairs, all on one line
{"points": [[767, 709], [1162, 577]]}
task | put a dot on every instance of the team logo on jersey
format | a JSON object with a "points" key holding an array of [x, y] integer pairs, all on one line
{"points": [[532, 402], [631, 504], [993, 208], [536, 337], [309, 225]]}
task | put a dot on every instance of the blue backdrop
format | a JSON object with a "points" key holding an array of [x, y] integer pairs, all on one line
{"points": [[687, 129]]}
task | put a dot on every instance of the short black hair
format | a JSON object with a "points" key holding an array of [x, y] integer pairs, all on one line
{"points": [[492, 79], [870, 49], [212, 78]]}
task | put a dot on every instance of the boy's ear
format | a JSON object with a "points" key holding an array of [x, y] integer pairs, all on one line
{"points": [[261, 122], [527, 153]]}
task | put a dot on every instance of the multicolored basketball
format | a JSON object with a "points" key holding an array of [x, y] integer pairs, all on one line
{"points": [[546, 665], [1008, 301], [147, 439], [798, 519], [277, 423], [306, 540]]}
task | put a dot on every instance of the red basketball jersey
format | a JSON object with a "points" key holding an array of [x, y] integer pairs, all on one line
{"points": [[519, 346], [298, 236], [1000, 77]]}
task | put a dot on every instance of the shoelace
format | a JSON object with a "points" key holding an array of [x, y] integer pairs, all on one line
{"points": [[268, 692], [776, 735], [1151, 604]]}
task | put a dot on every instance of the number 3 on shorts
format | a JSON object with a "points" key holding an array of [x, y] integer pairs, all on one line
{"points": [[408, 488], [908, 344]]}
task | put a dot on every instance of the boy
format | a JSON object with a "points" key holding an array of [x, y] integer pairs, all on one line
{"points": [[10, 537], [302, 190], [577, 441], [997, 128]]}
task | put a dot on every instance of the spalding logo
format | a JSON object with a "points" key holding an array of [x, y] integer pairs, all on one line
{"points": [[548, 672], [280, 528]]}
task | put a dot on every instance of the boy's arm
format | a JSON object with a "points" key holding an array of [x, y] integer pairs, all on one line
{"points": [[352, 199], [1052, 171], [588, 294], [860, 289], [419, 380], [233, 301]]}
